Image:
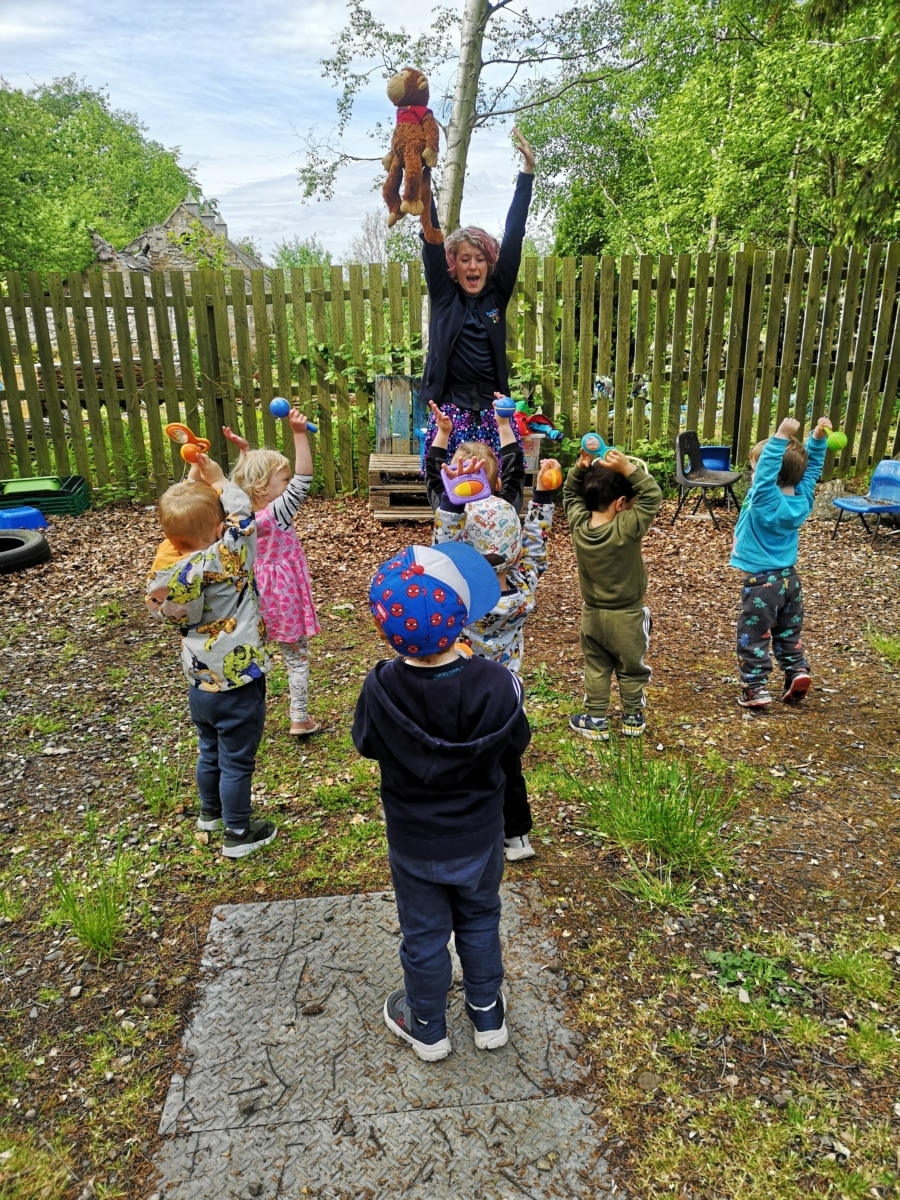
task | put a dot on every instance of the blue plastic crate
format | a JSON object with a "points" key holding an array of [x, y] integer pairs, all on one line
{"points": [[22, 517]]}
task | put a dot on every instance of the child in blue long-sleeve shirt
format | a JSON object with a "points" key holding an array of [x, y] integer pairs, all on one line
{"points": [[765, 549]]}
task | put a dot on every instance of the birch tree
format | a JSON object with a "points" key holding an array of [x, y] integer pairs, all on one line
{"points": [[487, 61]]}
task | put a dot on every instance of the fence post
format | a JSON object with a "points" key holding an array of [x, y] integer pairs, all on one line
{"points": [[747, 249], [215, 434]]}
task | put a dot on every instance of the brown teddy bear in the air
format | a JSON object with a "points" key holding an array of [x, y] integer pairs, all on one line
{"points": [[414, 151]]}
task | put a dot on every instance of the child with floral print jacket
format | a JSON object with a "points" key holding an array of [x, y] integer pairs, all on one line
{"points": [[518, 553], [209, 595]]}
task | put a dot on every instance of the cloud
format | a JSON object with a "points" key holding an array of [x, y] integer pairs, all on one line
{"points": [[236, 86]]}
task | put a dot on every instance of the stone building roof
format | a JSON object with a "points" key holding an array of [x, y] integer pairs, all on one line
{"points": [[157, 249]]}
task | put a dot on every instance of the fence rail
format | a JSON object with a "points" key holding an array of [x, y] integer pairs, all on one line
{"points": [[93, 367]]}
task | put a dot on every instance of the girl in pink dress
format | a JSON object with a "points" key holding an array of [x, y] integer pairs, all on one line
{"points": [[282, 576]]}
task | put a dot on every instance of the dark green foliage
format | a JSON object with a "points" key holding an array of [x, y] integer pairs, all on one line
{"points": [[70, 163]]}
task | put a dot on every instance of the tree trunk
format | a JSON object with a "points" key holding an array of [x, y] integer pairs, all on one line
{"points": [[476, 14], [714, 221], [794, 184]]}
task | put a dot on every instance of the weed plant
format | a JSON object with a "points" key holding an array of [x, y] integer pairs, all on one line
{"points": [[656, 886], [163, 778], [11, 905], [95, 909], [887, 645], [662, 809]]}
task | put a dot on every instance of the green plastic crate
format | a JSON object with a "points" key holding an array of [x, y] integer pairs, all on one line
{"points": [[57, 494]]}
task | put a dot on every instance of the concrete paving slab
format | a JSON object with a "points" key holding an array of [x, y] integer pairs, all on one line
{"points": [[292, 1086]]}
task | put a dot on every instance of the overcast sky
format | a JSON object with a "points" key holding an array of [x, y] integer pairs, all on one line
{"points": [[236, 84]]}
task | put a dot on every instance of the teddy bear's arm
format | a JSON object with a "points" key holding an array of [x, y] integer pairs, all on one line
{"points": [[432, 139]]}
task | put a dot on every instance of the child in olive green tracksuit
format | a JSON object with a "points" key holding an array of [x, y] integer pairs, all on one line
{"points": [[610, 504]]}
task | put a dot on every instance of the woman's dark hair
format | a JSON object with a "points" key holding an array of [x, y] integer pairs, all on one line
{"points": [[603, 486]]}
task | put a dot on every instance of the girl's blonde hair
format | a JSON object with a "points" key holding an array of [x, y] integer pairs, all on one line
{"points": [[254, 469], [483, 451]]}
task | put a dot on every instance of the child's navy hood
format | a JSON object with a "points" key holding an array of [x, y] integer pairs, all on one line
{"points": [[433, 759]]}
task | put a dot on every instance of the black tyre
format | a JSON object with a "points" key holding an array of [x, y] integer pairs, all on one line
{"points": [[21, 548]]}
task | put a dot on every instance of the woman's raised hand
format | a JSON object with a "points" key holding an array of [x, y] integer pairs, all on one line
{"points": [[525, 150]]}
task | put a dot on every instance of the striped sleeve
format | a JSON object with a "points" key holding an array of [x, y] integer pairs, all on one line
{"points": [[284, 508]]}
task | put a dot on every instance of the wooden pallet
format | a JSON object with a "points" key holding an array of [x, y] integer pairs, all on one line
{"points": [[397, 488]]}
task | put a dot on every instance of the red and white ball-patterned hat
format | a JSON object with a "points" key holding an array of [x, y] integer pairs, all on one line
{"points": [[424, 596]]}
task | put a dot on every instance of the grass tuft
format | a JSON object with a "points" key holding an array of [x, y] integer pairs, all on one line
{"points": [[887, 645], [660, 808], [163, 778], [96, 909]]}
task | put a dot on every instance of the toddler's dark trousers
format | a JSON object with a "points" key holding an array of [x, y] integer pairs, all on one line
{"points": [[615, 641], [516, 809], [434, 899], [229, 729], [770, 623]]}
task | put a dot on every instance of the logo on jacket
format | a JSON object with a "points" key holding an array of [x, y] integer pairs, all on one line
{"points": [[494, 314]]}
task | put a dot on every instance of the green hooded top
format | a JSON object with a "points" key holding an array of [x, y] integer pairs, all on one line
{"points": [[611, 571]]}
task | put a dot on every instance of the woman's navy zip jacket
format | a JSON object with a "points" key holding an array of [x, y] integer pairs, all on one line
{"points": [[448, 301]]}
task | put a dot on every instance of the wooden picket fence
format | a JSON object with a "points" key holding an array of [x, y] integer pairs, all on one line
{"points": [[93, 367]]}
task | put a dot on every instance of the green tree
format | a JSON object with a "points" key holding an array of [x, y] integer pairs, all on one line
{"points": [[68, 163], [740, 122], [249, 245], [201, 245], [300, 252]]}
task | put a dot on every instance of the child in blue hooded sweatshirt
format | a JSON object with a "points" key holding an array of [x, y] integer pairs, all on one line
{"points": [[780, 499], [440, 725]]}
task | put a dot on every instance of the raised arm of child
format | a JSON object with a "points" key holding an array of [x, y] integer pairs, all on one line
{"points": [[210, 471], [436, 457], [303, 463], [617, 461], [504, 424], [512, 459], [444, 427], [242, 444], [638, 517], [284, 507], [788, 428]]}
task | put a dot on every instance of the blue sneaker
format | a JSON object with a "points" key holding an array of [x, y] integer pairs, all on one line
{"points": [[633, 724], [595, 728], [489, 1024], [428, 1038]]}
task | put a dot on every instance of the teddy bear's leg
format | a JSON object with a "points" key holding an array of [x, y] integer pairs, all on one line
{"points": [[391, 191], [412, 181]]}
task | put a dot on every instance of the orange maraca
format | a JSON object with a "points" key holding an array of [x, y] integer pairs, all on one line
{"points": [[191, 446], [550, 477]]}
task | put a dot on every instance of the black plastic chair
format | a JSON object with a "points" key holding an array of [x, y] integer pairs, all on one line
{"points": [[696, 475]]}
